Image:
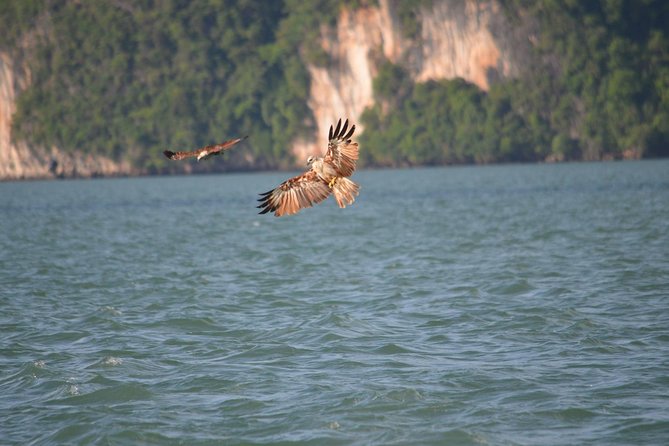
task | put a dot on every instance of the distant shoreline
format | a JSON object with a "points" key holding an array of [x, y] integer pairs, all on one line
{"points": [[144, 174]]}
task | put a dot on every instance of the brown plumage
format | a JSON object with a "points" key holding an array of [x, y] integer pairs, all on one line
{"points": [[327, 175], [342, 154], [206, 152]]}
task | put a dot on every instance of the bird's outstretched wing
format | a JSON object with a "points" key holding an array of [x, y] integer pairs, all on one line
{"points": [[342, 154], [296, 193], [204, 152]]}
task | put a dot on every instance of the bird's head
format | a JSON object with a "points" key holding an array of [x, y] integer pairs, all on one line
{"points": [[310, 160]]}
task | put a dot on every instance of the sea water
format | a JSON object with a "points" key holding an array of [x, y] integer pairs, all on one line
{"points": [[514, 305]]}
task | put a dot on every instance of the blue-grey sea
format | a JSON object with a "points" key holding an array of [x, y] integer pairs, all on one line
{"points": [[493, 305]]}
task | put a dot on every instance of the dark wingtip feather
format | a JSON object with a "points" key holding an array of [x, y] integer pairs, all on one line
{"points": [[330, 134], [350, 132], [342, 132], [336, 132], [169, 154]]}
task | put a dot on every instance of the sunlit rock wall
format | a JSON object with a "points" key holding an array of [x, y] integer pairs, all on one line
{"points": [[468, 39]]}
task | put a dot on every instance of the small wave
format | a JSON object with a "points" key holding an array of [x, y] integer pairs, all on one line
{"points": [[403, 395], [112, 361], [392, 349], [72, 389], [110, 310], [120, 393]]}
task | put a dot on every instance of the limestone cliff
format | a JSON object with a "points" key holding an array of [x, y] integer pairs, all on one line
{"points": [[457, 39], [19, 161]]}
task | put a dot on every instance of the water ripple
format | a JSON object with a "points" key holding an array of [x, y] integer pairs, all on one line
{"points": [[492, 305]]}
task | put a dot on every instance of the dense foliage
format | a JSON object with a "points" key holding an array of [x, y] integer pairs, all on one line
{"points": [[444, 122], [598, 87], [131, 78]]}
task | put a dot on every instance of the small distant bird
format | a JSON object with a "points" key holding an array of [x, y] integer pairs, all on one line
{"points": [[326, 175], [204, 153]]}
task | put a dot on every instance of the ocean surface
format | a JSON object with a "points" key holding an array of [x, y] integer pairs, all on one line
{"points": [[495, 305]]}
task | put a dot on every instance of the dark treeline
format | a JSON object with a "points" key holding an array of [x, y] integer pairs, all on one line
{"points": [[131, 78]]}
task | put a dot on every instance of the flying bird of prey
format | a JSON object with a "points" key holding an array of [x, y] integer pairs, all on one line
{"points": [[204, 153], [326, 175]]}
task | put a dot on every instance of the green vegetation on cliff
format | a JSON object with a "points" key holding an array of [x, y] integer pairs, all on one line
{"points": [[446, 122], [598, 87], [131, 78]]}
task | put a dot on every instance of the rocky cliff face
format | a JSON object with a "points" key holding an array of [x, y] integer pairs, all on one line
{"points": [[457, 39], [18, 161]]}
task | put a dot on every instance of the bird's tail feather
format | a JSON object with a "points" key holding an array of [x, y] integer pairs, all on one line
{"points": [[345, 191]]}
